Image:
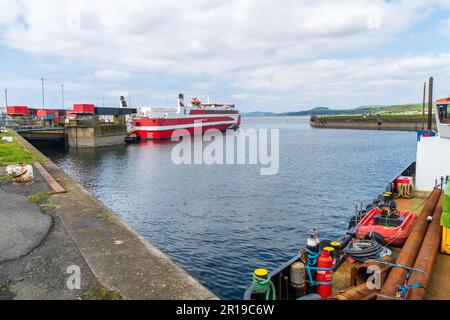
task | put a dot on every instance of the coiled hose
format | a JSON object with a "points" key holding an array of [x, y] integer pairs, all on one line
{"points": [[363, 250]]}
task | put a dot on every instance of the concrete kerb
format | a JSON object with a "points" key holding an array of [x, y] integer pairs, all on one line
{"points": [[120, 258]]}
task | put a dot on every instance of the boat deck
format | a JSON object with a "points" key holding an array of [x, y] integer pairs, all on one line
{"points": [[439, 287]]}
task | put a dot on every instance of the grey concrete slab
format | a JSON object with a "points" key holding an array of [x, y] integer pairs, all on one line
{"points": [[119, 258], [35, 248], [42, 274], [22, 225]]}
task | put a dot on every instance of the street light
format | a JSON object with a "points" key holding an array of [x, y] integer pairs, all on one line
{"points": [[43, 100], [62, 95], [6, 97]]}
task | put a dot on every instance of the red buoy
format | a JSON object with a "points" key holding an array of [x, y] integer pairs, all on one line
{"points": [[324, 276]]}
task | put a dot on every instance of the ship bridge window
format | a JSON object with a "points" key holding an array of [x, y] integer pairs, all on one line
{"points": [[444, 116]]}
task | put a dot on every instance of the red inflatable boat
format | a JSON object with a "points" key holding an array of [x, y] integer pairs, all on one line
{"points": [[393, 227]]}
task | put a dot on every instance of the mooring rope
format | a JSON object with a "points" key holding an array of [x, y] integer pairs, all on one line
{"points": [[405, 191], [264, 285], [403, 289]]}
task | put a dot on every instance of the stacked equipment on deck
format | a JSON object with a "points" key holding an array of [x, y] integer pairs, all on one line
{"points": [[445, 221]]}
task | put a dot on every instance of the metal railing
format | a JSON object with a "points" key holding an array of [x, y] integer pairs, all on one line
{"points": [[26, 124]]}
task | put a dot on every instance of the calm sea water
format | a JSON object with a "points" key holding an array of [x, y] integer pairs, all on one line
{"points": [[220, 222]]}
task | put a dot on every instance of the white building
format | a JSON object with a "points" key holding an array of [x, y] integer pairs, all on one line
{"points": [[433, 152]]}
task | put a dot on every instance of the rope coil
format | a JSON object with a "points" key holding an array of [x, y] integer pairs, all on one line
{"points": [[405, 191], [264, 285]]}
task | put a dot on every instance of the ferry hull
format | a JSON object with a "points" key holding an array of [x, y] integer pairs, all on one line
{"points": [[163, 129]]}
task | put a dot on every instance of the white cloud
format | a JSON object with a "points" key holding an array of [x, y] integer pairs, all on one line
{"points": [[296, 47], [444, 27], [202, 37], [10, 11], [344, 83], [111, 75], [202, 85]]}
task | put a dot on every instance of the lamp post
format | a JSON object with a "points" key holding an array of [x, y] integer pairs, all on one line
{"points": [[43, 99], [6, 97], [62, 95]]}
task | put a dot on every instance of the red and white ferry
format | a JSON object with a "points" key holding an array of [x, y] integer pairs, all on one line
{"points": [[154, 123]]}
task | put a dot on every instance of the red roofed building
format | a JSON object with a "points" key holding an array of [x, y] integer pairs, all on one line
{"points": [[443, 112], [443, 101]]}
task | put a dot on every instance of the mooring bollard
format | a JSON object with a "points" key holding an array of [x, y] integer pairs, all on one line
{"points": [[20, 173]]}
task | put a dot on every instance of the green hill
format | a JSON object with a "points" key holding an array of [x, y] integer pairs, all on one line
{"points": [[402, 109], [260, 114]]}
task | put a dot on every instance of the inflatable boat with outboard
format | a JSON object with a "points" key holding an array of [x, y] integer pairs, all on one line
{"points": [[390, 228]]}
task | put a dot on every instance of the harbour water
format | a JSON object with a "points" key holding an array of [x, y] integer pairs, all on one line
{"points": [[220, 222]]}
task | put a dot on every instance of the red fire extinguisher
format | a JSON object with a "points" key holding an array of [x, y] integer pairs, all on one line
{"points": [[324, 276]]}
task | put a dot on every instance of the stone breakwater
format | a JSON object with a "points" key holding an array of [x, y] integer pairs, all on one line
{"points": [[369, 123]]}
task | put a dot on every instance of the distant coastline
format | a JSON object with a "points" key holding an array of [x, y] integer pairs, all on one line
{"points": [[381, 110]]}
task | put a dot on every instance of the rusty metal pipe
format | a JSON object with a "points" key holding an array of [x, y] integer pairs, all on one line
{"points": [[411, 248], [423, 105], [360, 272], [360, 291], [354, 293], [427, 256]]}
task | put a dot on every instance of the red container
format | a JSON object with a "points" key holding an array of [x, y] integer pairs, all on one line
{"points": [[404, 180], [48, 114], [325, 275], [17, 110], [41, 113], [83, 108]]}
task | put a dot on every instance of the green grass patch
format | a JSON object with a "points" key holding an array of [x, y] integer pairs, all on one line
{"points": [[47, 207], [13, 152], [4, 178], [379, 116], [39, 197], [96, 291], [401, 108], [42, 199]]}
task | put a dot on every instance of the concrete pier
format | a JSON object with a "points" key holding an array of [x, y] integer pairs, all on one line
{"points": [[96, 127], [368, 123], [89, 132], [116, 255]]}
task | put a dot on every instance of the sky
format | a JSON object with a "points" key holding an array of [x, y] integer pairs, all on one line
{"points": [[263, 55]]}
